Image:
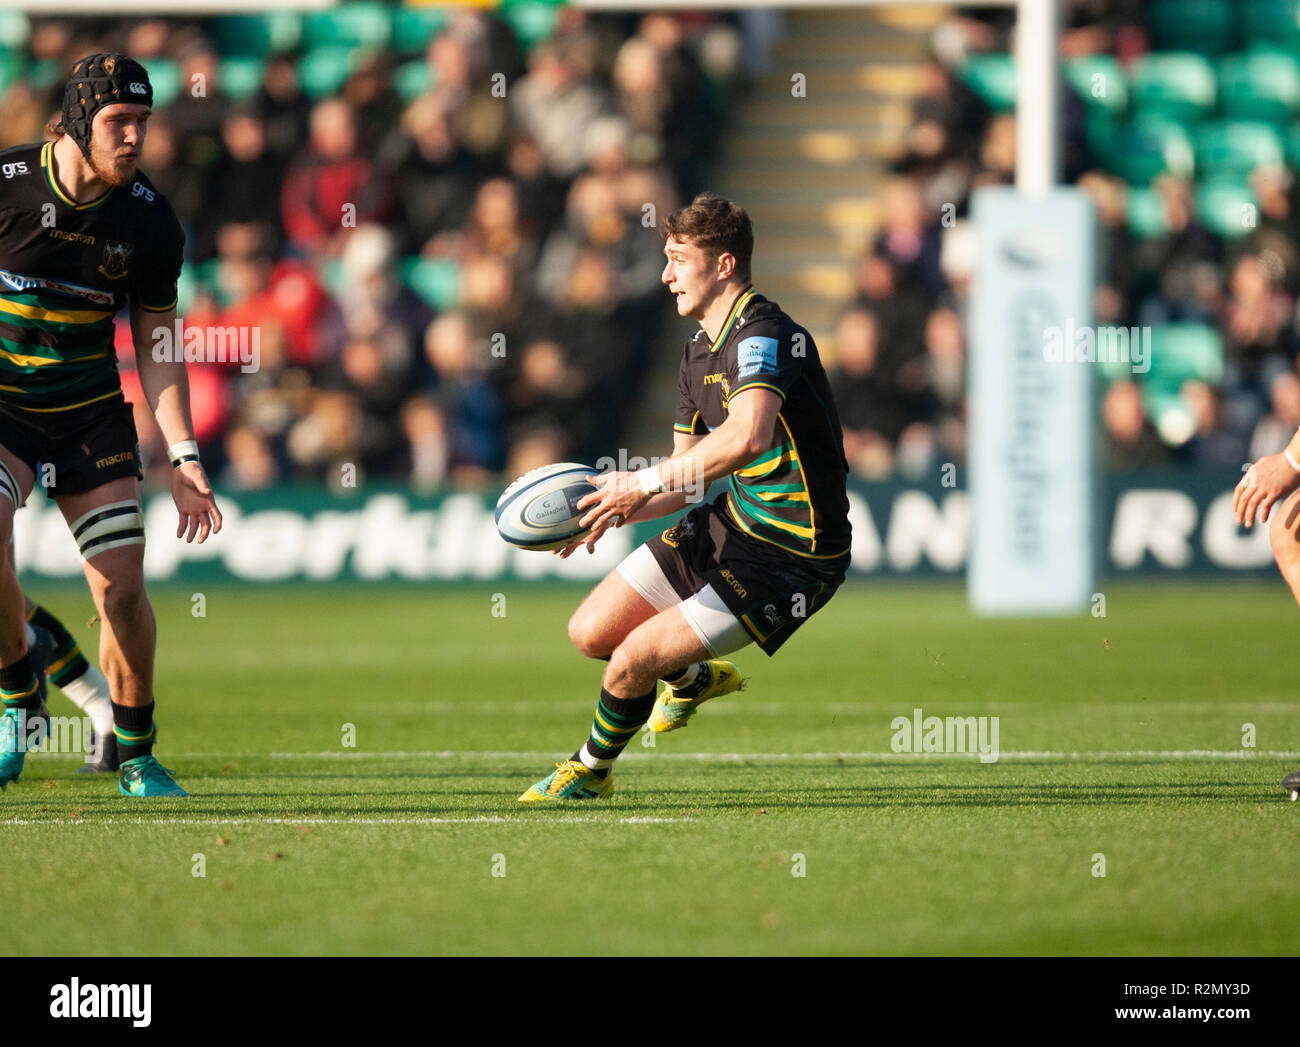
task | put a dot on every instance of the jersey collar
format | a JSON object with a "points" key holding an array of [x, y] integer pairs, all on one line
{"points": [[47, 163], [736, 308]]}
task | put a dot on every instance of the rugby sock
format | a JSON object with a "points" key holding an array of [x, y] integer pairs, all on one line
{"points": [[616, 723], [84, 684], [134, 728], [690, 681], [18, 685]]}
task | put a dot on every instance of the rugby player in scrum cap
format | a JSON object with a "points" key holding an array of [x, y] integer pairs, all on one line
{"points": [[82, 234]]}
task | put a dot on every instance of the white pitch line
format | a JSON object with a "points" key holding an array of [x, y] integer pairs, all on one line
{"points": [[1005, 754], [489, 819]]}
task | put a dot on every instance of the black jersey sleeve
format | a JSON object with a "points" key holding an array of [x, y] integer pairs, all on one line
{"points": [[156, 289], [687, 419], [769, 355]]}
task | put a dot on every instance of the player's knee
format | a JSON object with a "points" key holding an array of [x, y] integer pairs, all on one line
{"points": [[587, 636], [122, 596], [1283, 539]]}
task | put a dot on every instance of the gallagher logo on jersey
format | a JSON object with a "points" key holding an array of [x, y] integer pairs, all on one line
{"points": [[757, 355], [115, 258]]}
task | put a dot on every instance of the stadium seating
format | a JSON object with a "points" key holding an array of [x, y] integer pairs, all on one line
{"points": [[1205, 26], [1228, 148], [256, 35], [1180, 86], [1260, 85]]}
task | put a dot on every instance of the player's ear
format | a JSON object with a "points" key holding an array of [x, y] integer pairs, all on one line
{"points": [[726, 265]]}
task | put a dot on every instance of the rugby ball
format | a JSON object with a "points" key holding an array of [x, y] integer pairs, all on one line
{"points": [[540, 509]]}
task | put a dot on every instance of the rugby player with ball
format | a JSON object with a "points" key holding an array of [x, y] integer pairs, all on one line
{"points": [[754, 409]]}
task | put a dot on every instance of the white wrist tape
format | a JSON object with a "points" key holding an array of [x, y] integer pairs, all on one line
{"points": [[650, 480], [183, 451], [1286, 453]]}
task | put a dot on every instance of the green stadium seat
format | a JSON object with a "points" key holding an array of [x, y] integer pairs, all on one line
{"points": [[1291, 145], [1227, 206], [412, 79], [414, 27], [1099, 81], [1148, 146], [15, 29], [1260, 85], [436, 280], [1208, 27], [1179, 85], [531, 21], [256, 35], [241, 76], [165, 77], [46, 73], [361, 23], [323, 72], [1277, 21], [1181, 353], [329, 271], [993, 78], [1234, 148], [1145, 213], [13, 66]]}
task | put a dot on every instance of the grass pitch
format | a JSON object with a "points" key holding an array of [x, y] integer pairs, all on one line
{"points": [[1121, 750]]}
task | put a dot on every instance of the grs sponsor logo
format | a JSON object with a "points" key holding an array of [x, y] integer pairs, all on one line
{"points": [[140, 190], [75, 1000], [17, 167]]}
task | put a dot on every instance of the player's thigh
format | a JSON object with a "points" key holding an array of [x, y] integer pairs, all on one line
{"points": [[693, 630], [16, 482], [107, 523], [604, 619]]}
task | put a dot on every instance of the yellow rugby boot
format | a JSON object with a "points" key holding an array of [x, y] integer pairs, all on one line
{"points": [[671, 712]]}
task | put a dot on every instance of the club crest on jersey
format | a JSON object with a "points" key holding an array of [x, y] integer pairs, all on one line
{"points": [[116, 256]]}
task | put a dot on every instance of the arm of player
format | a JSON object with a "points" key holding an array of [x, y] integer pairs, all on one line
{"points": [[167, 390], [747, 432], [1266, 482], [663, 504]]}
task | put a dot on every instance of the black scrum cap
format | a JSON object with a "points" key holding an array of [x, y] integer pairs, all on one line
{"points": [[96, 81]]}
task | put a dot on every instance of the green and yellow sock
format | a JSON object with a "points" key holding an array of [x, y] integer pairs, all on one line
{"points": [[67, 663], [19, 687], [616, 723], [135, 731]]}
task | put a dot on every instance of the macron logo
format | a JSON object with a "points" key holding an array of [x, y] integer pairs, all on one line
{"points": [[102, 1001]]}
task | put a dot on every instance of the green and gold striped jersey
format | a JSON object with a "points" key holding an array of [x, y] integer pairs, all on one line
{"points": [[792, 496], [65, 271]]}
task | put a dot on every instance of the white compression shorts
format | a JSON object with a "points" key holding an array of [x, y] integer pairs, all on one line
{"points": [[718, 629]]}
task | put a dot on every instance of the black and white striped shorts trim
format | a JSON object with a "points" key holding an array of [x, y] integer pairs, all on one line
{"points": [[109, 526]]}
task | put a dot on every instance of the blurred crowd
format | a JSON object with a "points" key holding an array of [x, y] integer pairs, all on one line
{"points": [[527, 178], [900, 345]]}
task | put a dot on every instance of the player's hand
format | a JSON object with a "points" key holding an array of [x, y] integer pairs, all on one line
{"points": [[194, 501], [616, 498], [1266, 482]]}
